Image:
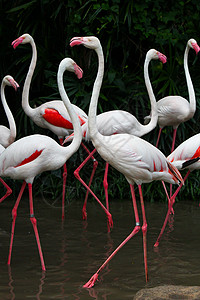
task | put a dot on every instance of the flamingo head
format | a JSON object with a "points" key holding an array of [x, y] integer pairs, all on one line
{"points": [[9, 80], [23, 39], [70, 65], [193, 44], [90, 42], [154, 54], [162, 57]]}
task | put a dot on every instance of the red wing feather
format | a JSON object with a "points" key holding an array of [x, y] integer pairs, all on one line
{"points": [[53, 117], [30, 158]]}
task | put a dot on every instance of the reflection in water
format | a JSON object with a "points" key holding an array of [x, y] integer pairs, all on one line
{"points": [[40, 286], [64, 260], [73, 251], [10, 283], [93, 293]]}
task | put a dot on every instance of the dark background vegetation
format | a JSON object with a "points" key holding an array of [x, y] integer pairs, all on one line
{"points": [[127, 30]]}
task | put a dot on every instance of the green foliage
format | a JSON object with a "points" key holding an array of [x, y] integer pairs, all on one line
{"points": [[127, 30]]}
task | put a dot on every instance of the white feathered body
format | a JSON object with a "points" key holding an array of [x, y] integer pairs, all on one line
{"points": [[138, 160], [173, 110], [115, 122], [30, 156]]}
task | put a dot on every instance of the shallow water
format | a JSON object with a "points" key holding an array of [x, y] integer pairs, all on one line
{"points": [[73, 251]]}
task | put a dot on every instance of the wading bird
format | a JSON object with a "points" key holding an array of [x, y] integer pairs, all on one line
{"points": [[34, 154], [119, 121], [51, 115], [185, 156], [139, 161], [7, 135], [174, 110]]}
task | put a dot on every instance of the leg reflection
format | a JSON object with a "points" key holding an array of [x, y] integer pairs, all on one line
{"points": [[10, 283], [40, 286]]}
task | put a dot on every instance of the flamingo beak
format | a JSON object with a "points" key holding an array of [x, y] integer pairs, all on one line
{"points": [[16, 42], [76, 41], [196, 47], [162, 57], [14, 84], [78, 71]]}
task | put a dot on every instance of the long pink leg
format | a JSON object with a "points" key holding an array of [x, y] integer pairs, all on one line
{"points": [[105, 184], [8, 192], [159, 133], [34, 223], [172, 200], [134, 204], [170, 191], [144, 232], [172, 149], [64, 184], [92, 280], [95, 164], [174, 139], [64, 189], [172, 210], [84, 210], [165, 223], [14, 216], [76, 174]]}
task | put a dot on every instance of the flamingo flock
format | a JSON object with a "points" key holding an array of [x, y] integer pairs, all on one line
{"points": [[116, 137]]}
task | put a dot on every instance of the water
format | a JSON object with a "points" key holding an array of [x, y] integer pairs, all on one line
{"points": [[75, 250]]}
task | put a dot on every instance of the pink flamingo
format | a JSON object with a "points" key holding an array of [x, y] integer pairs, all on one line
{"points": [[51, 115], [136, 159], [7, 135], [34, 154], [174, 110], [119, 121], [185, 156]]}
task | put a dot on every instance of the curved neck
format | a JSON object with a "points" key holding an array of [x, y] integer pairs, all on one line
{"points": [[191, 92], [25, 94], [9, 115], [92, 126], [74, 118], [154, 114]]}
